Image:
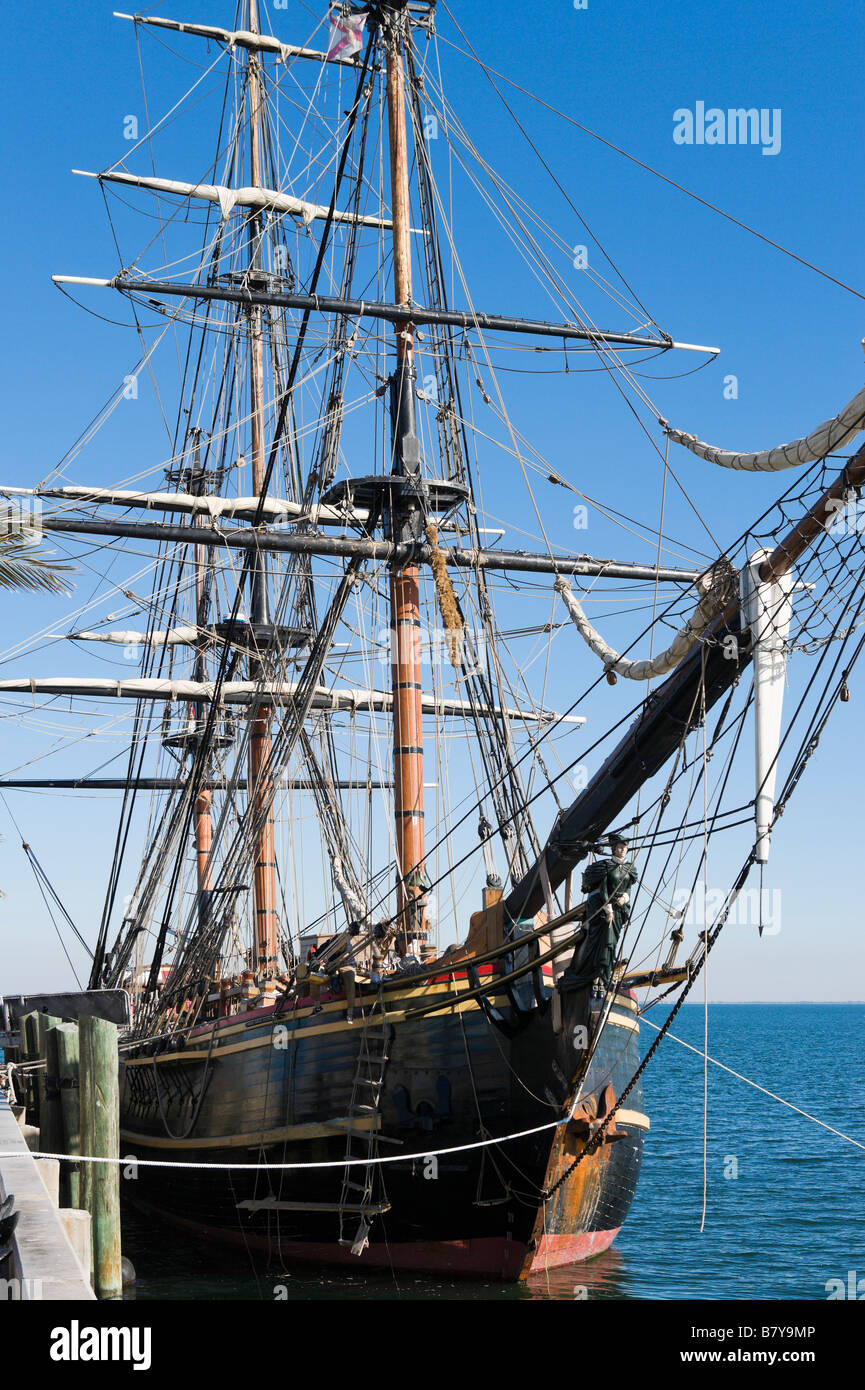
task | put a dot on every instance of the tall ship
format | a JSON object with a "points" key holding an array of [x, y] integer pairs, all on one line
{"points": [[393, 921]]}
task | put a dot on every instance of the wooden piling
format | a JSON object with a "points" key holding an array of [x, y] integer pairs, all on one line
{"points": [[30, 1053], [50, 1111], [85, 1104], [66, 1037], [100, 1136]]}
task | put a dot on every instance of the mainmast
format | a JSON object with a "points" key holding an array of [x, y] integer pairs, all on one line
{"points": [[203, 822], [406, 521], [260, 752]]}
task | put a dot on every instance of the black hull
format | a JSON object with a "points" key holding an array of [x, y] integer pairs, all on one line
{"points": [[277, 1089]]}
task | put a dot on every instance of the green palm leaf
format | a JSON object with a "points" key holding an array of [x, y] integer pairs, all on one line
{"points": [[24, 566]]}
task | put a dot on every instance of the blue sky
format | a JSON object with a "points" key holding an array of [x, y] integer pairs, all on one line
{"points": [[790, 337]]}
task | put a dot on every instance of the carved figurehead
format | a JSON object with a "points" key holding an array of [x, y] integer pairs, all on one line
{"points": [[607, 883]]}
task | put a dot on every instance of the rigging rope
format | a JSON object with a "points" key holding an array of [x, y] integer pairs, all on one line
{"points": [[648, 168], [448, 605], [717, 585], [826, 439]]}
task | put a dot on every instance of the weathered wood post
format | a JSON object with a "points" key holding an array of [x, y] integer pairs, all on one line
{"points": [[100, 1136], [66, 1039], [30, 1053], [50, 1114], [85, 1113]]}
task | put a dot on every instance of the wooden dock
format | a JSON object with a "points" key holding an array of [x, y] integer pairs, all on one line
{"points": [[44, 1265]]}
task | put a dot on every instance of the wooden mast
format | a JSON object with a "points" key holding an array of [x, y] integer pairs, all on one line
{"points": [[404, 593], [203, 823], [260, 754]]}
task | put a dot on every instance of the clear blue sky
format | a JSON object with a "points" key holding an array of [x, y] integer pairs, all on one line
{"points": [[791, 338]]}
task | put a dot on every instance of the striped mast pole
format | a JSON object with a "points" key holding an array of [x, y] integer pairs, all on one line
{"points": [[203, 821], [261, 789], [406, 522]]}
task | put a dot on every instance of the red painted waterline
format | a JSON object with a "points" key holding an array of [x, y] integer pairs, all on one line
{"points": [[492, 1256], [555, 1251]]}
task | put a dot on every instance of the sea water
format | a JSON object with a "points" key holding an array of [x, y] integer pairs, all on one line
{"points": [[784, 1196]]}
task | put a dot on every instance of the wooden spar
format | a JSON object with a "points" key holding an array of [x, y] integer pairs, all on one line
{"points": [[167, 784], [333, 547], [204, 843], [821, 515], [239, 38], [203, 823], [350, 701], [471, 321], [404, 591], [260, 750], [245, 197], [256, 228]]}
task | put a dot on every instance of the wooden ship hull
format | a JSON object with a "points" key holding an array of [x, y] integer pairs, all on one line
{"points": [[275, 1086]]}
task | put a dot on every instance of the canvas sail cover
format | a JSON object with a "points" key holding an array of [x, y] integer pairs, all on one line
{"points": [[825, 439]]}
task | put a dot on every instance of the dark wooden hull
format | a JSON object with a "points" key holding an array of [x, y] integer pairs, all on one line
{"points": [[275, 1087]]}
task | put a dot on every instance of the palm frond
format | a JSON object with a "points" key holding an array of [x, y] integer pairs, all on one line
{"points": [[24, 566]]}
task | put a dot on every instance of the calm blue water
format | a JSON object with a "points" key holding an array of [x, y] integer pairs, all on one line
{"points": [[792, 1217]]}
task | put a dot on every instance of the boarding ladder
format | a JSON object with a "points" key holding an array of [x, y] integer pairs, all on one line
{"points": [[362, 1137]]}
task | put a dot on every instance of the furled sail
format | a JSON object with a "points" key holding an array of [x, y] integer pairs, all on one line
{"points": [[242, 38], [250, 693], [126, 637], [273, 509], [716, 590], [825, 439], [768, 610], [264, 199]]}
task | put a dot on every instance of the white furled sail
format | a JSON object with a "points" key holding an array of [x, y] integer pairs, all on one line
{"points": [[768, 608], [825, 439], [241, 38], [273, 509], [172, 637], [715, 591], [252, 693], [263, 199]]}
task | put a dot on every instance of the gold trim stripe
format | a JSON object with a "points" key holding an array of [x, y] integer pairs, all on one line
{"points": [[255, 1139], [619, 1022], [264, 1138], [294, 1034]]}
